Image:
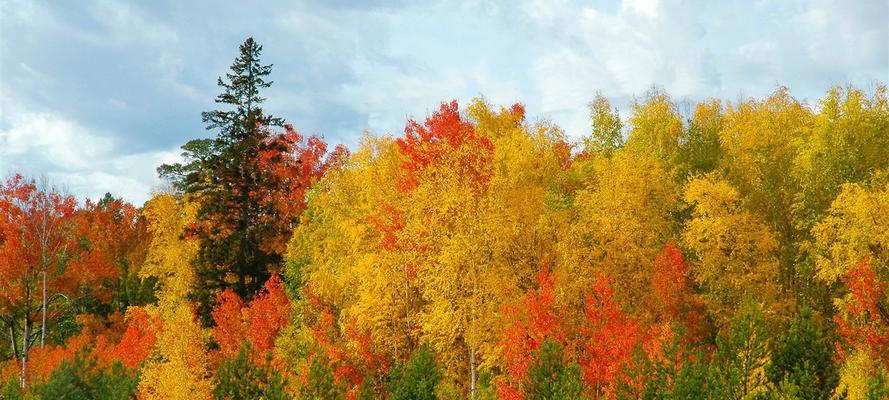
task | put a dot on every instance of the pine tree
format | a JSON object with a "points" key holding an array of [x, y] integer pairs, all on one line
{"points": [[550, 377], [241, 378], [82, 378], [743, 352], [803, 360], [225, 175], [417, 379]]}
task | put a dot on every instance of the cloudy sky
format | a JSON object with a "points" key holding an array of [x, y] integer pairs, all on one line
{"points": [[96, 94]]}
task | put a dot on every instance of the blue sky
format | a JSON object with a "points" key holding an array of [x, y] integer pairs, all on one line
{"points": [[95, 94]]}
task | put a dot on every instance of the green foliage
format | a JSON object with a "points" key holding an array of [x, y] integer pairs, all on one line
{"points": [[11, 390], [674, 375], [242, 378], [133, 290], [321, 385], [225, 175], [82, 379], [743, 352], [803, 359], [878, 386], [417, 379], [550, 377], [696, 380]]}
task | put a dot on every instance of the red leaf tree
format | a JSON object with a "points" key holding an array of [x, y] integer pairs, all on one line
{"points": [[674, 302], [348, 351], [532, 321], [445, 135], [35, 247], [259, 322], [863, 322], [609, 339]]}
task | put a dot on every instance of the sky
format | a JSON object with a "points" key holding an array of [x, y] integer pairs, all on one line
{"points": [[95, 94]]}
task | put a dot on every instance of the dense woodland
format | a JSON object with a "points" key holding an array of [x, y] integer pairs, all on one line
{"points": [[718, 250]]}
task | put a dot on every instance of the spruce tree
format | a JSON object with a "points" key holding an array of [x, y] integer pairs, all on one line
{"points": [[803, 360], [225, 175], [550, 377], [417, 379], [242, 378]]}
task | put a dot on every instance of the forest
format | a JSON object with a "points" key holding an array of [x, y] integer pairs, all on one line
{"points": [[709, 250]]}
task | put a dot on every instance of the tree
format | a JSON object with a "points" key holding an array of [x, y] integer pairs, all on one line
{"points": [[113, 237], [391, 238], [463, 178], [618, 224], [320, 383], [736, 252], [241, 378], [550, 376], [258, 323], [531, 323], [177, 369], [863, 322], [346, 249], [609, 339], [606, 136], [673, 300], [82, 379], [656, 127], [35, 249], [850, 254], [248, 181], [699, 148], [138, 340], [856, 227], [417, 379], [675, 373], [338, 357], [803, 359], [848, 144], [758, 163], [863, 329], [743, 352]]}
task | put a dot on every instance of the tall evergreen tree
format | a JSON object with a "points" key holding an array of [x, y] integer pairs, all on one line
{"points": [[226, 175]]}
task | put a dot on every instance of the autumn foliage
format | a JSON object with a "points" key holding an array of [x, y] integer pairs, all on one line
{"points": [[257, 323], [738, 250], [532, 321], [444, 141], [864, 322]]}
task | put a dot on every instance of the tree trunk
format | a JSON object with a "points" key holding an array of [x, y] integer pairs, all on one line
{"points": [[13, 341], [43, 322], [472, 385], [25, 336], [407, 312], [44, 257]]}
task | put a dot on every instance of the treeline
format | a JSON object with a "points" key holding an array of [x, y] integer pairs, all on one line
{"points": [[737, 252]]}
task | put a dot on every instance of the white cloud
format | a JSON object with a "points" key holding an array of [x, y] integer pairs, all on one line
{"points": [[57, 141], [644, 7], [89, 164], [104, 91], [700, 49]]}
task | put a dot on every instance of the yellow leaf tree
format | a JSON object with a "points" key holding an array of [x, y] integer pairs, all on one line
{"points": [[619, 223], [736, 252], [178, 367]]}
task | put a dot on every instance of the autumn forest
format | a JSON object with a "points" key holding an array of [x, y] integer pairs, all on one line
{"points": [[722, 250]]}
